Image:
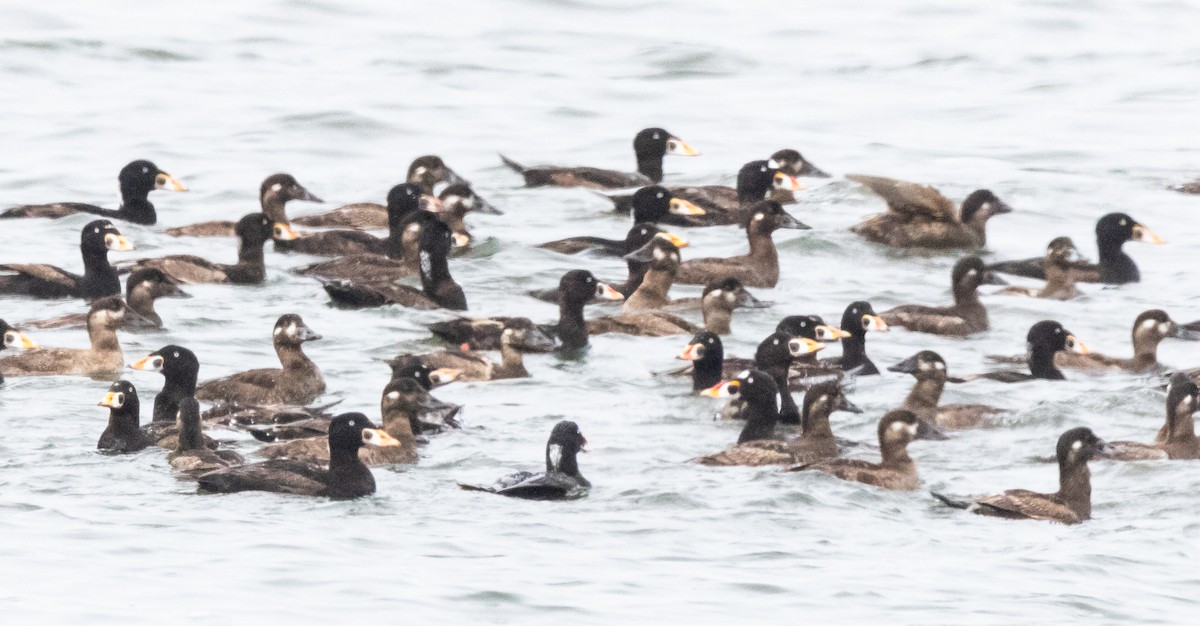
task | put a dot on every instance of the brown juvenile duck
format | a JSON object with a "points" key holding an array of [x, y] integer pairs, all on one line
{"points": [[298, 382], [519, 335], [253, 232], [661, 257], [649, 146], [1071, 504], [1193, 187], [794, 163], [1115, 267], [1177, 438], [930, 371], [103, 357], [1044, 340], [919, 216], [345, 477], [438, 289], [759, 268], [640, 235], [717, 204], [1149, 329], [456, 201], [99, 279], [273, 195], [192, 455], [124, 433], [895, 471], [1061, 256], [136, 181], [403, 202], [717, 303], [966, 316], [142, 288]]}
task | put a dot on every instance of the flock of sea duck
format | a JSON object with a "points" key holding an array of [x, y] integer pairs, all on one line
{"points": [[312, 452]]}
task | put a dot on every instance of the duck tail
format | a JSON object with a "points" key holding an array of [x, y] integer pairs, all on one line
{"points": [[950, 502], [466, 487], [513, 165]]}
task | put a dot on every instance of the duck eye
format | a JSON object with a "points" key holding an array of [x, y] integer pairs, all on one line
{"points": [[351, 423], [660, 194], [176, 355], [145, 169], [657, 136]]}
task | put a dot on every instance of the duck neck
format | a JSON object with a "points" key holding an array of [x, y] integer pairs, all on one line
{"points": [[789, 413], [1115, 265], [717, 317], [1041, 364], [656, 284], [707, 371], [343, 458], [1075, 488], [250, 253], [142, 303], [273, 205], [138, 210], [762, 245], [511, 360], [435, 270], [651, 167], [1181, 426], [894, 453], [978, 225], [125, 420], [761, 417], [572, 330], [1145, 348], [191, 436], [98, 272], [568, 464], [1058, 279], [925, 393], [166, 403], [815, 425], [102, 336], [854, 348], [293, 359], [637, 273]]}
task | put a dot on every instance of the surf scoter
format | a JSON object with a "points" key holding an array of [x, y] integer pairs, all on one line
{"points": [[561, 480], [273, 195], [759, 268], [1044, 340], [718, 301], [403, 202], [706, 351], [179, 368], [47, 281], [298, 382], [929, 369], [792, 162], [519, 335], [123, 433], [345, 477], [1061, 256], [438, 289], [857, 319], [774, 356], [136, 181], [717, 204], [423, 174], [253, 232], [1176, 439], [1115, 267], [966, 316], [649, 146], [103, 357], [192, 455], [640, 235], [919, 216], [1071, 504], [637, 237], [895, 471], [662, 259]]}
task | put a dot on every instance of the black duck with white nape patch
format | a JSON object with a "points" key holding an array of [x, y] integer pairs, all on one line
{"points": [[253, 232], [965, 317], [299, 381], [1071, 504], [345, 477], [1176, 440], [99, 279], [857, 319], [102, 358], [649, 146], [1115, 266], [929, 368], [759, 268], [136, 180], [562, 479], [192, 454], [896, 469], [274, 193], [1061, 257], [919, 216], [403, 202], [1044, 340], [124, 433]]}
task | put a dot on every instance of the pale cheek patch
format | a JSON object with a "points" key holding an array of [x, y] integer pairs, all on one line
{"points": [[1077, 445], [395, 395], [276, 187]]}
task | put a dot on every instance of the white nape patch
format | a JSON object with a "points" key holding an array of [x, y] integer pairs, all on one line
{"points": [[554, 452], [426, 263], [778, 401], [394, 395], [1077, 445], [659, 254], [276, 187]]}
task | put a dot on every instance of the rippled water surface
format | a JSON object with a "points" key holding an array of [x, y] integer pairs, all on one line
{"points": [[1068, 110]]}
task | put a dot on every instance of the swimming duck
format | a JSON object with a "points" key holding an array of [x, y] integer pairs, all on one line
{"points": [[1149, 329], [561, 480], [638, 236], [929, 369], [142, 288], [857, 319], [718, 301], [103, 357], [456, 201], [759, 268], [123, 433], [298, 382], [1044, 340], [47, 281], [1071, 504], [712, 205], [806, 370], [345, 477], [1193, 187], [792, 162], [253, 231], [1177, 437], [403, 202], [136, 181], [649, 146], [662, 259], [919, 216], [180, 369], [706, 351], [192, 455], [423, 174], [438, 289], [484, 333], [658, 205], [519, 335], [896, 470], [273, 195], [1061, 256], [774, 356], [1115, 267], [409, 366], [966, 316]]}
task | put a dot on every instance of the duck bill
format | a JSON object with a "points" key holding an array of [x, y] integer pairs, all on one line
{"points": [[801, 346], [679, 147], [431, 204], [787, 221], [875, 323], [825, 332], [844, 404], [452, 177], [992, 278], [1000, 207], [483, 206], [1076, 346], [148, 363], [723, 389], [786, 182], [165, 181], [110, 400], [679, 206], [305, 195], [604, 291], [284, 232], [676, 240], [926, 431], [378, 438], [19, 340], [812, 171], [305, 333], [172, 290], [117, 243], [133, 319], [907, 366], [1145, 235], [692, 352], [1186, 332], [444, 376], [746, 300]]}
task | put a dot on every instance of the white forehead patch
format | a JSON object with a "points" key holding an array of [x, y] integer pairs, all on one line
{"points": [[660, 195], [554, 451]]}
